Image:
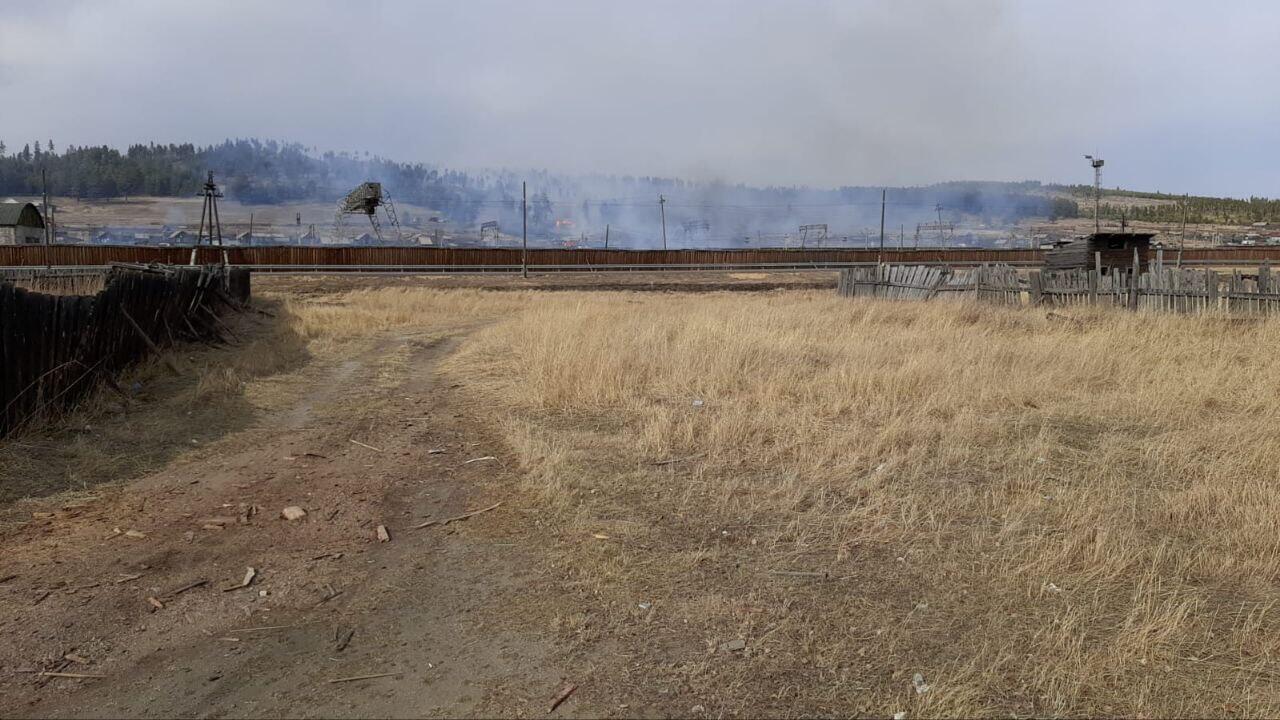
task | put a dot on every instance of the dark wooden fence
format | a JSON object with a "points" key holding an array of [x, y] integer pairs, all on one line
{"points": [[56, 347], [410, 257]]}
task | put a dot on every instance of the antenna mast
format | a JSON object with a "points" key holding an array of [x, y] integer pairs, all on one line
{"points": [[1097, 190]]}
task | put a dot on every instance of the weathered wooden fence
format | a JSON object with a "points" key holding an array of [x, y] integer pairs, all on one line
{"points": [[55, 347], [925, 282], [1160, 288]]}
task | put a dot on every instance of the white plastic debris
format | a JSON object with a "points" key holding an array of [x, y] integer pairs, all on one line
{"points": [[917, 682]]}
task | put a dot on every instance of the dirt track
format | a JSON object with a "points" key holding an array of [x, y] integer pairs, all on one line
{"points": [[428, 606]]}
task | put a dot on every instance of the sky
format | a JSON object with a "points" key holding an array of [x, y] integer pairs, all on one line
{"points": [[1175, 96]]}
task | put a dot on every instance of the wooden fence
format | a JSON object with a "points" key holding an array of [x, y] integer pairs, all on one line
{"points": [[925, 282], [1160, 288], [55, 347]]}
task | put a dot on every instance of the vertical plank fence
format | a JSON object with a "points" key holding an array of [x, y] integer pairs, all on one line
{"points": [[57, 346], [1160, 288]]}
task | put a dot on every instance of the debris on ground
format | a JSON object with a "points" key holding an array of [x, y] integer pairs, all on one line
{"points": [[363, 445], [249, 575], [293, 512], [155, 603], [365, 677], [436, 451], [343, 639], [564, 695], [735, 645], [917, 682], [383, 535], [456, 518], [480, 459]]}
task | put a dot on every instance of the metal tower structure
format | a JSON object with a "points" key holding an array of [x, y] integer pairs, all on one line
{"points": [[365, 200], [209, 220], [1097, 190]]}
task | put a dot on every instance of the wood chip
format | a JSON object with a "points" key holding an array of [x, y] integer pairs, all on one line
{"points": [[365, 677], [155, 603], [184, 588], [69, 675], [456, 518], [383, 535], [480, 459], [137, 534], [249, 575], [344, 639], [357, 442], [129, 578], [564, 695], [600, 536], [77, 659]]}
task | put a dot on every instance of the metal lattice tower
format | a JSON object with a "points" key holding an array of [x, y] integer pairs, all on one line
{"points": [[209, 210], [365, 200]]}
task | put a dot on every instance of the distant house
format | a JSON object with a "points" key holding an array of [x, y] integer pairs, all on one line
{"points": [[364, 239], [179, 236], [20, 224], [1110, 250]]}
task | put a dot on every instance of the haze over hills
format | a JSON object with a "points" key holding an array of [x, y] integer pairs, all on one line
{"points": [[271, 172]]}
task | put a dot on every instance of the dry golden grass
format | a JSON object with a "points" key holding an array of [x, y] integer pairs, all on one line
{"points": [[1039, 518]]}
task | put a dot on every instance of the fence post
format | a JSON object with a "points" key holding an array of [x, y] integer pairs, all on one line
{"points": [[1211, 289], [1037, 288]]}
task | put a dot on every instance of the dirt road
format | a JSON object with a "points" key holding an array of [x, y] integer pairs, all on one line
{"points": [[132, 584]]}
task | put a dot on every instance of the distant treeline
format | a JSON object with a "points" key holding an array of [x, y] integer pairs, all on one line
{"points": [[251, 171], [257, 171], [1200, 209]]}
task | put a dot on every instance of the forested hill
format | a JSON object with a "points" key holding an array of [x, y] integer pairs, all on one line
{"points": [[251, 171]]}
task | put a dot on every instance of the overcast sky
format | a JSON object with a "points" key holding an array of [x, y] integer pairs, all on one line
{"points": [[1176, 96]]}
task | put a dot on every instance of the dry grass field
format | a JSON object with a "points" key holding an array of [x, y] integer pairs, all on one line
{"points": [[1036, 517], [788, 503]]}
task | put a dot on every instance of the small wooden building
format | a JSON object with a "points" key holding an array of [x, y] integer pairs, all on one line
{"points": [[1116, 250], [20, 224]]}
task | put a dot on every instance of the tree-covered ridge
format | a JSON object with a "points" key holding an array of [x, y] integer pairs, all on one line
{"points": [[252, 171], [1200, 209]]}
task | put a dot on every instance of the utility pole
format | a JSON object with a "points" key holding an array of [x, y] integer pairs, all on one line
{"points": [[251, 229], [524, 230], [662, 207], [883, 194], [606, 236], [1182, 234], [1097, 190], [44, 191]]}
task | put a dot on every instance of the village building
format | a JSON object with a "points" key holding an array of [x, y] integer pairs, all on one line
{"points": [[20, 224], [1107, 251]]}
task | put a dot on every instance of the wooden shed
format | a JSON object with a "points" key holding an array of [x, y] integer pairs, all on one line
{"points": [[1117, 250], [20, 224]]}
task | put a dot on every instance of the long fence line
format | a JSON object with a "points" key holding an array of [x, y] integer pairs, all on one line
{"points": [[428, 259], [1159, 288], [58, 342]]}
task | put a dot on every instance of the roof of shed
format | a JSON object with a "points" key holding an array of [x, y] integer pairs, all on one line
{"points": [[20, 214]]}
